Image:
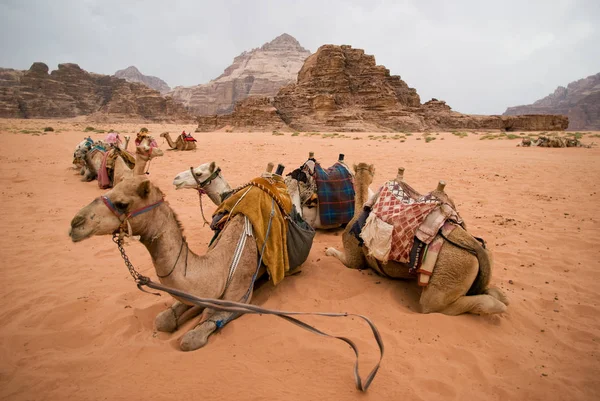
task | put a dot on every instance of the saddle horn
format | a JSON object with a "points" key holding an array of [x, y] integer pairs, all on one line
{"points": [[311, 155], [270, 167], [280, 168], [341, 157], [400, 175], [441, 185]]}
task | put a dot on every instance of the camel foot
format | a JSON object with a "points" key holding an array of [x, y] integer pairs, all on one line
{"points": [[331, 251], [498, 294], [197, 338], [166, 321]]}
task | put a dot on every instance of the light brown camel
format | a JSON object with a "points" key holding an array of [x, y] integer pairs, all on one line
{"points": [[179, 144], [302, 189], [143, 154], [176, 265], [456, 272]]}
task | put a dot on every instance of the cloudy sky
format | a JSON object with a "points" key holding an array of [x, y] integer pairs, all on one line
{"points": [[480, 56]]}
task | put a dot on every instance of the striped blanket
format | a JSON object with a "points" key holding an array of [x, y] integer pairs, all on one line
{"points": [[335, 190]]}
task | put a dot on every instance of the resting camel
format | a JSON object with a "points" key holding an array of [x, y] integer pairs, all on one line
{"points": [[211, 181], [176, 265], [302, 189], [144, 153], [179, 144], [456, 272]]}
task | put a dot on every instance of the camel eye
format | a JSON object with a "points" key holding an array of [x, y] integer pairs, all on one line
{"points": [[197, 174], [121, 205]]}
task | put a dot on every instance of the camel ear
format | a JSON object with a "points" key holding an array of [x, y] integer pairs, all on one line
{"points": [[212, 167], [143, 190], [354, 167], [372, 168]]}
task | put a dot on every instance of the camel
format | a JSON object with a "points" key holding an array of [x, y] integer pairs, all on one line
{"points": [[302, 189], [211, 181], [179, 144], [144, 153], [460, 280], [176, 265]]}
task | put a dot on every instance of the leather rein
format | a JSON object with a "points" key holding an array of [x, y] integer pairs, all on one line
{"points": [[200, 188]]}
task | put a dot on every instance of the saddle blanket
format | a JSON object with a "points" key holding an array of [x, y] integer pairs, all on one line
{"points": [[188, 137], [335, 192]]}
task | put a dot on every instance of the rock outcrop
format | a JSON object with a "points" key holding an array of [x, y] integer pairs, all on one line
{"points": [[259, 72], [71, 91], [342, 89], [580, 101], [132, 74], [255, 113]]}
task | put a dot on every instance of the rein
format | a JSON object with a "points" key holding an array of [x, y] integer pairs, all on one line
{"points": [[200, 188]]}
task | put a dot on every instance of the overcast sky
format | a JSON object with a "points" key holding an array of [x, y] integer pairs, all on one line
{"points": [[480, 56]]}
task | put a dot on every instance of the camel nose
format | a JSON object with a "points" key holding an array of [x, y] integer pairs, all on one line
{"points": [[176, 178], [77, 221]]}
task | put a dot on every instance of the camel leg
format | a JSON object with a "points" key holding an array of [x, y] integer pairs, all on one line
{"points": [[331, 251], [453, 275], [171, 318], [198, 337], [498, 294], [352, 256]]}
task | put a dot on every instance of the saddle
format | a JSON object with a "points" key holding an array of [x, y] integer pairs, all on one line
{"points": [[401, 225], [335, 193], [188, 138]]}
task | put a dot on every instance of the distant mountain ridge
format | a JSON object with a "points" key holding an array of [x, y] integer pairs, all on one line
{"points": [[580, 101], [132, 74], [258, 72]]}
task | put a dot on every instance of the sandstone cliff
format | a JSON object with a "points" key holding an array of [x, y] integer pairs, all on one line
{"points": [[132, 74], [71, 91], [342, 89], [580, 101], [259, 72]]}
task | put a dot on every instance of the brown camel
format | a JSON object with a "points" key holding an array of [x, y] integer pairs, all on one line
{"points": [[179, 144], [456, 272], [176, 265]]}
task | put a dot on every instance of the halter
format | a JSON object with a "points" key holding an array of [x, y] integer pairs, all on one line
{"points": [[133, 213], [200, 188]]}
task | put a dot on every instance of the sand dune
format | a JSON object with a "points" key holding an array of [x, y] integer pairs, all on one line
{"points": [[74, 326]]}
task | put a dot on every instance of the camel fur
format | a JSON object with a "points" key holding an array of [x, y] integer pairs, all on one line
{"points": [[460, 280], [161, 233], [179, 144]]}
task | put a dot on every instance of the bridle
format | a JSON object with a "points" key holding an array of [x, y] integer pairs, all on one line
{"points": [[125, 220], [365, 169], [200, 187]]}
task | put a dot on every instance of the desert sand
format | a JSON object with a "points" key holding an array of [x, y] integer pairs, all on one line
{"points": [[73, 325]]}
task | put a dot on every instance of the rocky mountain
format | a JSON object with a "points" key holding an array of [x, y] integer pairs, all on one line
{"points": [[580, 101], [258, 72], [132, 74], [71, 91], [342, 89]]}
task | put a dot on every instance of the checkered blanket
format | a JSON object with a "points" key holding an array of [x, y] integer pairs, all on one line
{"points": [[335, 190], [399, 206]]}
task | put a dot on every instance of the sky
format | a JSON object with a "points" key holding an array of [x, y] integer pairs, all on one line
{"points": [[479, 56]]}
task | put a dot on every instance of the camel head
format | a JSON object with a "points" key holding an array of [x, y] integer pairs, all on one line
{"points": [[145, 149], [203, 172], [364, 173], [130, 195]]}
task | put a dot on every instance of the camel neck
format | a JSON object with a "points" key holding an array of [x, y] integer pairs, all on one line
{"points": [[163, 238], [361, 195], [140, 165], [216, 189]]}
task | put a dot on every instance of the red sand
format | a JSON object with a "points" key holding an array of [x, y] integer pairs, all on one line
{"points": [[74, 326]]}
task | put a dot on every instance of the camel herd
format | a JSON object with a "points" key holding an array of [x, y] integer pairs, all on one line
{"points": [[459, 281]]}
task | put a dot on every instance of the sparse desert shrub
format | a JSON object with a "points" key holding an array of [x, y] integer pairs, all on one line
{"points": [[408, 134], [48, 129], [418, 139], [110, 131], [277, 133], [88, 129], [512, 136], [459, 134], [229, 130], [99, 131], [429, 139], [295, 134]]}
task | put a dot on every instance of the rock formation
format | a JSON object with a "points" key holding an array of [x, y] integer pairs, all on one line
{"points": [[342, 89], [580, 101], [255, 113], [132, 74], [70, 91], [259, 72]]}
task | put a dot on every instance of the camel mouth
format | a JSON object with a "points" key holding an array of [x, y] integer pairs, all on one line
{"points": [[179, 185]]}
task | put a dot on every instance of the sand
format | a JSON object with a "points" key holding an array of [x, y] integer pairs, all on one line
{"points": [[74, 326]]}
